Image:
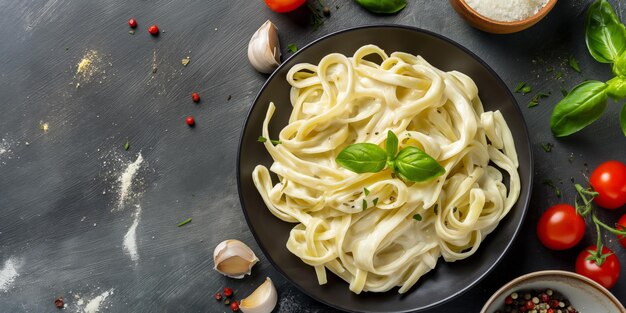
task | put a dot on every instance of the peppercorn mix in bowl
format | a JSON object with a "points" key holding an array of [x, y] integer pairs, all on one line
{"points": [[502, 17], [553, 291]]}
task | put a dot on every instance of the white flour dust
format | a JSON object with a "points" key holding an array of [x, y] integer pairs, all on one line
{"points": [[130, 239], [8, 274], [126, 180], [93, 305]]}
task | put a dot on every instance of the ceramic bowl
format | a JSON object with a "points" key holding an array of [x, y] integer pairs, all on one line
{"points": [[584, 294], [498, 27]]}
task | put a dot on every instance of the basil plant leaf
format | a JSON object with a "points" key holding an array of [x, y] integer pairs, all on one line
{"points": [[363, 158], [416, 165], [604, 33], [617, 88], [581, 107], [622, 119], [382, 6], [391, 145], [619, 67]]}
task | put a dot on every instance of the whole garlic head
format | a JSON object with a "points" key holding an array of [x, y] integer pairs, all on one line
{"points": [[262, 300], [264, 48], [234, 258]]}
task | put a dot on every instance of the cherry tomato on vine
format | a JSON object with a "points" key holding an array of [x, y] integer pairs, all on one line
{"points": [[282, 6], [609, 180], [605, 274], [560, 227], [621, 225]]}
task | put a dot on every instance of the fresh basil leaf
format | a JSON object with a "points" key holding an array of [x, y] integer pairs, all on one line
{"points": [[617, 88], [416, 165], [382, 6], [622, 119], [619, 67], [362, 158], [581, 107], [604, 33], [391, 145]]}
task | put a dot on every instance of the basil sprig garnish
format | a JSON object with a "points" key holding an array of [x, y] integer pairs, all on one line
{"points": [[605, 36], [382, 6], [410, 163]]}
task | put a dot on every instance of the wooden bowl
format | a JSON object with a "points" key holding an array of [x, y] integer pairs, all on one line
{"points": [[498, 27], [585, 294]]}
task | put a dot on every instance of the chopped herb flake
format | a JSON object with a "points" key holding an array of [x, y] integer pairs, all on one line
{"points": [[274, 142], [292, 47], [519, 87], [535, 100], [417, 217], [526, 89], [185, 222], [564, 92], [364, 204], [573, 63], [558, 75], [366, 191], [547, 147], [436, 208], [549, 182], [549, 69], [126, 145], [375, 201]]}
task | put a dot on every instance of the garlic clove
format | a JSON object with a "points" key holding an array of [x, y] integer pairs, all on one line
{"points": [[262, 300], [234, 258], [264, 48]]}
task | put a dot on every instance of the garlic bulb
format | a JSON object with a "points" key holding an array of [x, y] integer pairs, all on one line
{"points": [[262, 300], [233, 258], [264, 48]]}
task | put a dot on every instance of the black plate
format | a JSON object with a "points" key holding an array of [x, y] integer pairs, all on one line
{"points": [[447, 280]]}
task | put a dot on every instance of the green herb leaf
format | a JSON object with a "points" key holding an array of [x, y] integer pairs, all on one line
{"points": [[604, 33], [366, 192], [526, 89], [535, 100], [573, 63], [579, 108], [550, 183], [617, 88], [619, 67], [558, 75], [564, 92], [292, 47], [436, 209], [417, 217], [126, 145], [382, 6], [622, 119], [375, 201], [364, 204], [416, 165], [362, 158], [547, 147], [185, 222], [519, 87], [274, 142], [391, 145]]}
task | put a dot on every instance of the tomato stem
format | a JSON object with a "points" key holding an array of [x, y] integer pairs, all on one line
{"points": [[583, 193], [597, 256], [609, 228]]}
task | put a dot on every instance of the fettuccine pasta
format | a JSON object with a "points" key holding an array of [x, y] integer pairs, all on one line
{"points": [[404, 227]]}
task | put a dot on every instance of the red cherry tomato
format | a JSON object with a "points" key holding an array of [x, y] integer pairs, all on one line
{"points": [[282, 6], [621, 225], [560, 227], [605, 274], [609, 180]]}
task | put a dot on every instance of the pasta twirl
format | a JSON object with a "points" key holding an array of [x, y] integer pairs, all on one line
{"points": [[365, 227]]}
